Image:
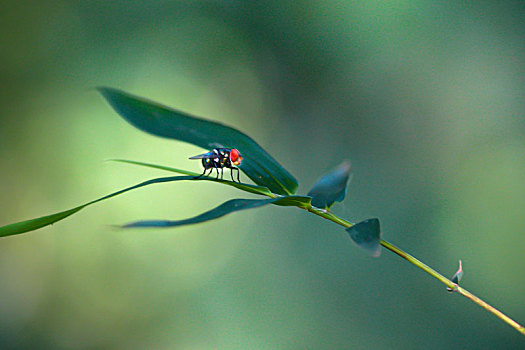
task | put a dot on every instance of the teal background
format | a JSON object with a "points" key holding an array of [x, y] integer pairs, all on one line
{"points": [[426, 98]]}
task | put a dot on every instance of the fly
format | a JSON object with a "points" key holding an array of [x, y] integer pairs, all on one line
{"points": [[220, 158]]}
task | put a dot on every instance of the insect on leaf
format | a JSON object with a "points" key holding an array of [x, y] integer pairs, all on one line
{"points": [[242, 186], [162, 121], [331, 187], [367, 235]]}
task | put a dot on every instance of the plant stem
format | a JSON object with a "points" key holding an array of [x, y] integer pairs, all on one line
{"points": [[329, 216], [491, 309], [419, 264]]}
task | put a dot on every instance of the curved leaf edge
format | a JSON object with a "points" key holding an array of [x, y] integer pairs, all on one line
{"points": [[223, 209]]}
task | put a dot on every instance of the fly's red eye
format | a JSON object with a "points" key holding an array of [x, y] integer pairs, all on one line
{"points": [[234, 155]]}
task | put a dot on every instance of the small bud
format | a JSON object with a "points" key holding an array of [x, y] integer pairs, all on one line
{"points": [[457, 276]]}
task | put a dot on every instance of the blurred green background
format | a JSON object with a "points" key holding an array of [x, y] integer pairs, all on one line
{"points": [[426, 98]]}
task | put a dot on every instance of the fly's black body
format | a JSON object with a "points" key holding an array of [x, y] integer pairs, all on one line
{"points": [[220, 158]]}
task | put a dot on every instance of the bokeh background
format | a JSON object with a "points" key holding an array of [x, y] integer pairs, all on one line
{"points": [[426, 98]]}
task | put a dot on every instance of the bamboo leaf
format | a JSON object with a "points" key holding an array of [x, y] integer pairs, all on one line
{"points": [[162, 121], [34, 224], [223, 209], [367, 235], [331, 187]]}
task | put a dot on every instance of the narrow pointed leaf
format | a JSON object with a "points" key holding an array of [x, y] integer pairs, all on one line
{"points": [[223, 209], [162, 121], [33, 224], [242, 186], [331, 187], [367, 235]]}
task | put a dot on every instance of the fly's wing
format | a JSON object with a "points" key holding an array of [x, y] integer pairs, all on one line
{"points": [[208, 155]]}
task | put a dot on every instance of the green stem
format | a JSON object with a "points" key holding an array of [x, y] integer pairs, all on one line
{"points": [[329, 216], [490, 308], [418, 263]]}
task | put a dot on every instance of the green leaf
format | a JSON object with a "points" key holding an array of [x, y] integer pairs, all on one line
{"points": [[242, 186], [33, 224], [166, 122], [331, 187], [223, 209], [367, 235], [294, 201]]}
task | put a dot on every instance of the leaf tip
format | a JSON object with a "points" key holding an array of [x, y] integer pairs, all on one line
{"points": [[103, 89], [114, 97]]}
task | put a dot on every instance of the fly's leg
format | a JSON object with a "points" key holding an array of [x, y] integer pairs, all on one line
{"points": [[201, 175], [238, 172]]}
